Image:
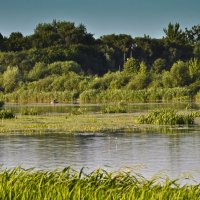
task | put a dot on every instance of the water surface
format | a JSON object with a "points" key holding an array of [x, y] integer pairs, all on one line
{"points": [[148, 154]]}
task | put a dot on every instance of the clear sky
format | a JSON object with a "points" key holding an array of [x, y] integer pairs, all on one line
{"points": [[134, 17]]}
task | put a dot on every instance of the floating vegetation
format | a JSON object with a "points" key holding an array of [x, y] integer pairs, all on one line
{"points": [[167, 117], [69, 184], [6, 114], [115, 108]]}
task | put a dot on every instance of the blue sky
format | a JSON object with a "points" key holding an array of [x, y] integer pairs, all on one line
{"points": [[101, 17]]}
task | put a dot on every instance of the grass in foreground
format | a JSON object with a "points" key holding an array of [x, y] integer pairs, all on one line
{"points": [[68, 184]]}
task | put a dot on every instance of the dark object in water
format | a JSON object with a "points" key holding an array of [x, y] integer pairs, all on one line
{"points": [[54, 102]]}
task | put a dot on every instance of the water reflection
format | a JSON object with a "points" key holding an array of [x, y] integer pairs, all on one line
{"points": [[65, 108], [144, 153]]}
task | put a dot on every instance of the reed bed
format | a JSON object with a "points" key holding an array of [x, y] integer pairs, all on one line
{"points": [[68, 184], [115, 108], [168, 117], [136, 96], [101, 96]]}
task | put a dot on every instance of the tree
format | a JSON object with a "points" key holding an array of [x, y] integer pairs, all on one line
{"points": [[158, 66], [167, 79], [117, 48], [194, 69], [180, 74], [141, 78], [37, 72], [174, 34], [15, 41], [11, 79], [2, 43], [131, 66], [193, 34]]}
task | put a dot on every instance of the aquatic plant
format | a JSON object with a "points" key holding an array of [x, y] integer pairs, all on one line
{"points": [[167, 117], [29, 111], [69, 184], [114, 108], [6, 114]]}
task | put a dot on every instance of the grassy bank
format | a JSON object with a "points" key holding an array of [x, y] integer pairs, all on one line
{"points": [[68, 184], [82, 123], [67, 123]]}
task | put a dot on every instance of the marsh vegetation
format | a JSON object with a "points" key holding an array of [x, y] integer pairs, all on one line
{"points": [[68, 184], [168, 117]]}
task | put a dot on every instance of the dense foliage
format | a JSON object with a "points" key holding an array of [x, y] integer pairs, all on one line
{"points": [[68, 184], [62, 59]]}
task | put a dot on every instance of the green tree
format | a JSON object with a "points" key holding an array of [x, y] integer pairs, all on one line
{"points": [[2, 42], [167, 79], [194, 69], [15, 41], [174, 34], [180, 74], [193, 34], [37, 72], [143, 68], [131, 66], [158, 66], [11, 78]]}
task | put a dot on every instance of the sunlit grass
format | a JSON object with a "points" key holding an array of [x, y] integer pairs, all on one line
{"points": [[68, 123], [81, 122], [167, 117], [69, 184]]}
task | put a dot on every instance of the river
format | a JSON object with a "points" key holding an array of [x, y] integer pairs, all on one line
{"points": [[173, 154]]}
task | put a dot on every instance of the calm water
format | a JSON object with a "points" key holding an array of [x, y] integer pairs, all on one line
{"points": [[64, 108], [147, 154], [175, 155]]}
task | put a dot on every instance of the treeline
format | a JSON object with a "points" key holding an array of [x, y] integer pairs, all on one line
{"points": [[62, 57]]}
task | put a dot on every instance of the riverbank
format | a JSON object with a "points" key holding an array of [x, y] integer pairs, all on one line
{"points": [[69, 184]]}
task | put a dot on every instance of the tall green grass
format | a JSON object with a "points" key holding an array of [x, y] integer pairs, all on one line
{"points": [[136, 96], [167, 117], [31, 96], [69, 184], [115, 108], [101, 95]]}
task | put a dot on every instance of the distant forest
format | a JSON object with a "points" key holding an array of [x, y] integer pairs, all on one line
{"points": [[60, 56]]}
